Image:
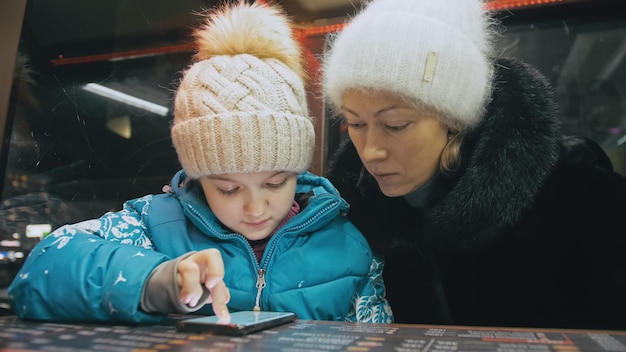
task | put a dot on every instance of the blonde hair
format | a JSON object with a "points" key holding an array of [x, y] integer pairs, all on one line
{"points": [[451, 154]]}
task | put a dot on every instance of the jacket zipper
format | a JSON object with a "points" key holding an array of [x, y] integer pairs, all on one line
{"points": [[260, 284], [295, 228]]}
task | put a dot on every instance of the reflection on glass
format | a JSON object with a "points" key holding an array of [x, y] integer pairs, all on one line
{"points": [[73, 154], [89, 124], [583, 53]]}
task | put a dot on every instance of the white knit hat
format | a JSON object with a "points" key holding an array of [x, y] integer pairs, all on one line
{"points": [[242, 106], [436, 52]]}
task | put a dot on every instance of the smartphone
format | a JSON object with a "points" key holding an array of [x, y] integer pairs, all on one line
{"points": [[241, 323]]}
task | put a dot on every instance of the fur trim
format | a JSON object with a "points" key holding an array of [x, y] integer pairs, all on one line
{"points": [[506, 159], [259, 30]]}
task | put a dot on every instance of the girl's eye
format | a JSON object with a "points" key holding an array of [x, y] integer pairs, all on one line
{"points": [[228, 192], [277, 185]]}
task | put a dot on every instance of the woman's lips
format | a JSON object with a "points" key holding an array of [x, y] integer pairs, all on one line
{"points": [[383, 177]]}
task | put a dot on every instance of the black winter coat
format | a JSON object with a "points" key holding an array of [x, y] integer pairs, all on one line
{"points": [[529, 230]]}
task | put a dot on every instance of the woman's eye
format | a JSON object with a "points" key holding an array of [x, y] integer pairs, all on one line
{"points": [[396, 128], [354, 125]]}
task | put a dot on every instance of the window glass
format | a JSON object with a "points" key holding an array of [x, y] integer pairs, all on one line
{"points": [[90, 113], [581, 48], [92, 99]]}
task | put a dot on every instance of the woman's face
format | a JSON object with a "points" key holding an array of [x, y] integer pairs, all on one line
{"points": [[399, 145], [251, 204]]}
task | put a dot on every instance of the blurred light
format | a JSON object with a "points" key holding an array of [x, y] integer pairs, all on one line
{"points": [[38, 230], [125, 98], [118, 56], [507, 4], [121, 126], [10, 243], [319, 30], [490, 4], [11, 256]]}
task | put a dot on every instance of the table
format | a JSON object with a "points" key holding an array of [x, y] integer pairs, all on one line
{"points": [[302, 336]]}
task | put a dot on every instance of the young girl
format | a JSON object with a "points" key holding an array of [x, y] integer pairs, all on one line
{"points": [[243, 226]]}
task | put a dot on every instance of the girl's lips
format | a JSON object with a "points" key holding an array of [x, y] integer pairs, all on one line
{"points": [[257, 224]]}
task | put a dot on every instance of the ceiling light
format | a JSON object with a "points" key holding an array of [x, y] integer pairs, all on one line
{"points": [[125, 98]]}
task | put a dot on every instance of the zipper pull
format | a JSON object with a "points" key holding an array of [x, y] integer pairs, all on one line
{"points": [[260, 284]]}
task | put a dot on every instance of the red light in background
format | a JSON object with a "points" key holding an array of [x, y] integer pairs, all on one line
{"points": [[507, 4], [318, 30], [490, 5], [300, 33]]}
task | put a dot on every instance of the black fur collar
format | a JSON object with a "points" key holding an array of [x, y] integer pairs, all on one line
{"points": [[507, 158]]}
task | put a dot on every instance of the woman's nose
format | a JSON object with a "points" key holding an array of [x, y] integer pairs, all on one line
{"points": [[374, 148]]}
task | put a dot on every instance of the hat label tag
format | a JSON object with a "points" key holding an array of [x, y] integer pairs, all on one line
{"points": [[431, 66]]}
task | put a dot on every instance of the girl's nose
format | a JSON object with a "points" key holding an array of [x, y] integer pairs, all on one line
{"points": [[255, 205]]}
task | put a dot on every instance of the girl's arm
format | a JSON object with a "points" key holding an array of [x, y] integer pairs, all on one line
{"points": [[369, 304], [90, 271]]}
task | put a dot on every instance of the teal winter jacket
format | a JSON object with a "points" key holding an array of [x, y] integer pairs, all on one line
{"points": [[317, 265]]}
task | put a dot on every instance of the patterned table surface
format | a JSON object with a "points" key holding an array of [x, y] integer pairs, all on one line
{"points": [[302, 336]]}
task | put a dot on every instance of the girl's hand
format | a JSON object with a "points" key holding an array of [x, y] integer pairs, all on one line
{"points": [[204, 268]]}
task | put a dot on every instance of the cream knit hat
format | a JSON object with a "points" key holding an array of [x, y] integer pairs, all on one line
{"points": [[435, 52], [242, 106]]}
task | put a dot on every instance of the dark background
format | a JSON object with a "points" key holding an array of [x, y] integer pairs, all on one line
{"points": [[64, 157]]}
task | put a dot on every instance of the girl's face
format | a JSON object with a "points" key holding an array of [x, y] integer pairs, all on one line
{"points": [[398, 144], [251, 204]]}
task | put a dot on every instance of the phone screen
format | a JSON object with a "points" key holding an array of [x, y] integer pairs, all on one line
{"points": [[240, 323]]}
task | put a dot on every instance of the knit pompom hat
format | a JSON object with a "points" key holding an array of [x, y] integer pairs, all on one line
{"points": [[241, 107], [434, 52]]}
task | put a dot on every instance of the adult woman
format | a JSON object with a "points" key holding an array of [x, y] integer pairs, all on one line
{"points": [[457, 174]]}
